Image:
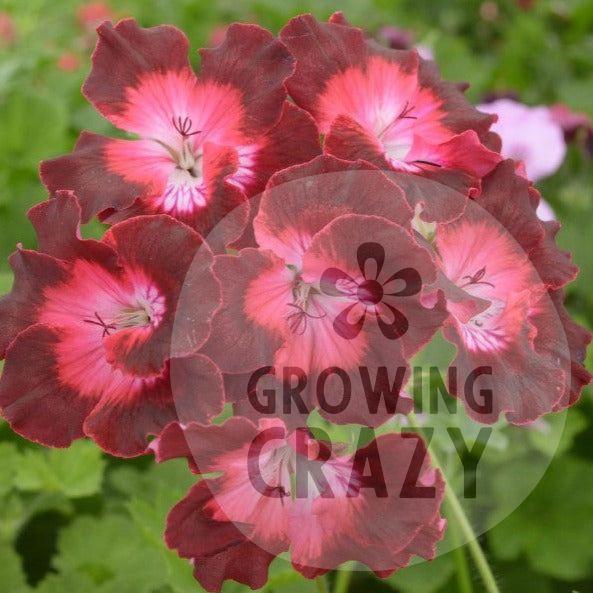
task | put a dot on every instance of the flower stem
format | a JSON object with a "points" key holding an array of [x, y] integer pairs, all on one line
{"points": [[321, 584], [462, 572], [463, 523], [343, 577]]}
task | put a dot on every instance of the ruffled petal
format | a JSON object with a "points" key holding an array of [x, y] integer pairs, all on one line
{"points": [[203, 141], [386, 106], [33, 272], [381, 301], [520, 356], [300, 201], [382, 528], [578, 339], [34, 397], [245, 330], [381, 519], [134, 409], [57, 226], [218, 550], [107, 173], [260, 79], [321, 50], [124, 55], [293, 140]]}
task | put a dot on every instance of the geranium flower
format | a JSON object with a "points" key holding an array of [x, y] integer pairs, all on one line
{"points": [[520, 342], [87, 331], [205, 143], [280, 490], [275, 311], [529, 134], [386, 106]]}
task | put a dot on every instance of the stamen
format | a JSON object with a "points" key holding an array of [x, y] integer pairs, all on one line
{"points": [[99, 322], [477, 279], [402, 115], [405, 111], [420, 162], [184, 126], [133, 318], [297, 321]]}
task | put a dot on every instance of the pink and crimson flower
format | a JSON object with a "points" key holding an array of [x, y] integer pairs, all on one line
{"points": [[87, 331], [280, 491], [505, 260], [204, 143], [275, 312], [388, 107]]}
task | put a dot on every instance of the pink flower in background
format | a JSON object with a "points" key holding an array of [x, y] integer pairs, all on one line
{"points": [[529, 134], [570, 121], [68, 62], [92, 14], [7, 30]]}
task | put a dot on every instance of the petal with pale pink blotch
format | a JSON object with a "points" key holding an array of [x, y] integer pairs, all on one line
{"points": [[136, 408], [300, 201], [124, 54], [248, 329], [34, 400], [375, 255], [162, 255], [381, 528], [518, 346], [381, 521], [379, 104], [260, 79]]}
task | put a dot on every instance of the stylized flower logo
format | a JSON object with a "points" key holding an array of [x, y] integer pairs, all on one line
{"points": [[370, 294]]}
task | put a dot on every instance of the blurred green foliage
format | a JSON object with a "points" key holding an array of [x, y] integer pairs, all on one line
{"points": [[75, 521]]}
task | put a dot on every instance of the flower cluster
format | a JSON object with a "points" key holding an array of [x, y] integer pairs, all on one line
{"points": [[288, 227]]}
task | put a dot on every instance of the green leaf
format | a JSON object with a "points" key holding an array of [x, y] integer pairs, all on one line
{"points": [[12, 576], [516, 578], [110, 550], [75, 472], [32, 127], [572, 423], [152, 493], [552, 528], [12, 516], [5, 282], [424, 576], [70, 583], [9, 462]]}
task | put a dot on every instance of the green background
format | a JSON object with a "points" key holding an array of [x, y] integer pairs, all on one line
{"points": [[75, 521]]}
